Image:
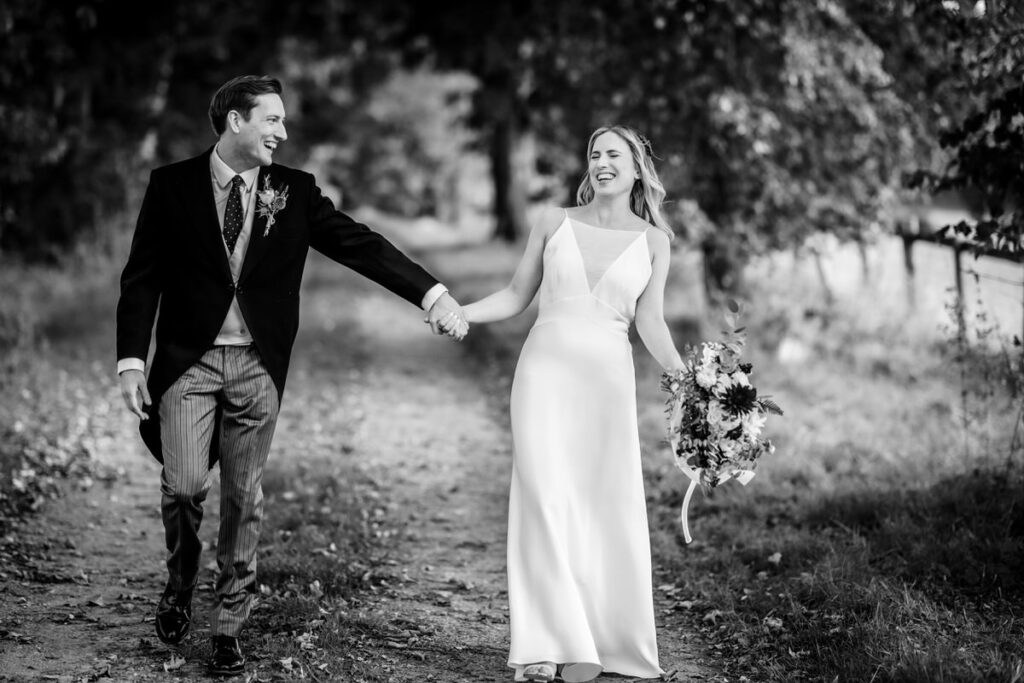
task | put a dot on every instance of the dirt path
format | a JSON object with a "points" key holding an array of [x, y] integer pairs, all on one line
{"points": [[77, 604], [422, 416]]}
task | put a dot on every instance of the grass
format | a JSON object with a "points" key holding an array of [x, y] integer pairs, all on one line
{"points": [[53, 380], [324, 546], [884, 541]]}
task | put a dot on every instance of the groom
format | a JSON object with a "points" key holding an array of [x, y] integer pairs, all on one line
{"points": [[220, 247]]}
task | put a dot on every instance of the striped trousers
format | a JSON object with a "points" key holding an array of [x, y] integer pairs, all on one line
{"points": [[234, 380]]}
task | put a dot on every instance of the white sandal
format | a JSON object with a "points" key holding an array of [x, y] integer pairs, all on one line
{"points": [[541, 671]]}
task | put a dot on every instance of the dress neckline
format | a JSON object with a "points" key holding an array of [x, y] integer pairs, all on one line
{"points": [[598, 227]]}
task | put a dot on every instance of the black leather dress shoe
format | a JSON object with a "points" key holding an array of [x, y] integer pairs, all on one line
{"points": [[173, 616], [227, 659]]}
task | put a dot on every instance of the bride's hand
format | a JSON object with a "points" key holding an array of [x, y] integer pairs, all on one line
{"points": [[457, 329]]}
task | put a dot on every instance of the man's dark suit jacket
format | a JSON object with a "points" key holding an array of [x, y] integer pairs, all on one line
{"points": [[178, 263]]}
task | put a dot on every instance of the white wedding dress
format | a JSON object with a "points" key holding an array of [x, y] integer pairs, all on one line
{"points": [[579, 560]]}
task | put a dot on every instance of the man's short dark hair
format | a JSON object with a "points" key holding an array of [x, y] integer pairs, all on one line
{"points": [[239, 94]]}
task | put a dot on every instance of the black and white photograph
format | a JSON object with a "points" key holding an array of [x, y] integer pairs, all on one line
{"points": [[458, 341]]}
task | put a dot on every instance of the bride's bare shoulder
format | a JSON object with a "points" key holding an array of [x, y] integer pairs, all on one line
{"points": [[659, 241], [548, 219]]}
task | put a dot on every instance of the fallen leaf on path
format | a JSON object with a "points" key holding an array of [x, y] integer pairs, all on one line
{"points": [[305, 641], [473, 545], [174, 663], [462, 584]]}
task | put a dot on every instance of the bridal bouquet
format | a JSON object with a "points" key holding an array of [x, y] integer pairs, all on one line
{"points": [[715, 416]]}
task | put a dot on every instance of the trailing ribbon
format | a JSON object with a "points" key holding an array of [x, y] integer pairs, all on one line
{"points": [[684, 515], [742, 476]]}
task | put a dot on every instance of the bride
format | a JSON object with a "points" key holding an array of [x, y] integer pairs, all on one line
{"points": [[579, 561]]}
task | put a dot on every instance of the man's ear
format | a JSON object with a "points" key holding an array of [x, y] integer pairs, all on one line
{"points": [[233, 120]]}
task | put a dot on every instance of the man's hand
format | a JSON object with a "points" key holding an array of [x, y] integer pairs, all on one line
{"points": [[133, 387], [445, 317]]}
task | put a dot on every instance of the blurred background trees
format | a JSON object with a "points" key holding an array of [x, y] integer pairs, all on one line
{"points": [[775, 121]]}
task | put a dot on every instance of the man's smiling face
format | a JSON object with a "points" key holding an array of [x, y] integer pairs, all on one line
{"points": [[254, 141]]}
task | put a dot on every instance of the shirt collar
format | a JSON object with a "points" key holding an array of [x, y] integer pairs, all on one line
{"points": [[222, 173]]}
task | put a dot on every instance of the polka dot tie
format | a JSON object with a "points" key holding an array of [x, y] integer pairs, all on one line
{"points": [[233, 214]]}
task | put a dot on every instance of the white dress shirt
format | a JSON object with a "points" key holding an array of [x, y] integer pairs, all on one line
{"points": [[234, 331]]}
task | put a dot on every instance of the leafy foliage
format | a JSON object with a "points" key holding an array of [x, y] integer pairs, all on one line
{"points": [[987, 99], [74, 100], [773, 120], [988, 155]]}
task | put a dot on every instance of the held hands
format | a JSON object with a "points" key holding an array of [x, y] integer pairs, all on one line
{"points": [[133, 387], [446, 317]]}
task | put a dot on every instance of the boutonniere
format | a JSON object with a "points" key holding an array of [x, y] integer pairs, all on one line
{"points": [[269, 201]]}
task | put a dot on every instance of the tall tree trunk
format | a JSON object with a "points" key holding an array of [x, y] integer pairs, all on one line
{"points": [[724, 261], [499, 104], [509, 194], [158, 104]]}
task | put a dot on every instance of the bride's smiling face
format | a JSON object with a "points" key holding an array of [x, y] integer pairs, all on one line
{"points": [[611, 168]]}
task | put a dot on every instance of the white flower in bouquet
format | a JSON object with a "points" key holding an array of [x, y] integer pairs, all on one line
{"points": [[730, 449], [753, 423], [707, 376]]}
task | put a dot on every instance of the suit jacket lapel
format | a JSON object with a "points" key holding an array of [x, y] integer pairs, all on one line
{"points": [[258, 239], [199, 195]]}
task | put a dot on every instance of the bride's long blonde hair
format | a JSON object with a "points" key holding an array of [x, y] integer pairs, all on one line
{"points": [[648, 193]]}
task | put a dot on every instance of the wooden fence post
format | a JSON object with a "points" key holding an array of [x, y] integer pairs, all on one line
{"points": [[961, 300], [908, 270]]}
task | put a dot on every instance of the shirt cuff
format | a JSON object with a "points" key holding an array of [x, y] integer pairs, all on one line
{"points": [[432, 295], [131, 364]]}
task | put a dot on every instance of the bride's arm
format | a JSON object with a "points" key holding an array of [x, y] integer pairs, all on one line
{"points": [[517, 295], [650, 307]]}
